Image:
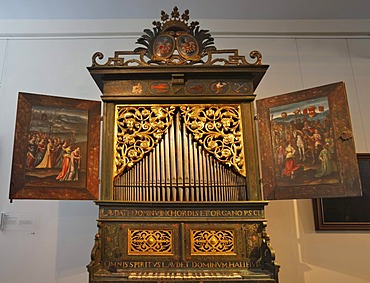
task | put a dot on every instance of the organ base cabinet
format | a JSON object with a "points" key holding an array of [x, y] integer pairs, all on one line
{"points": [[189, 242], [180, 193]]}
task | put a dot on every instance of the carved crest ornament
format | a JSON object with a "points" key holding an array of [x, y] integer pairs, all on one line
{"points": [[175, 41]]}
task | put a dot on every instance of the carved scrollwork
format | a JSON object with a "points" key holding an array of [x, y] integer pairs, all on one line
{"points": [[208, 242], [217, 57], [209, 57], [95, 256], [150, 242], [118, 60], [218, 129], [138, 130]]}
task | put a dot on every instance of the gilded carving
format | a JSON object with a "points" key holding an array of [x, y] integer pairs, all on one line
{"points": [[138, 130], [218, 129], [119, 60], [212, 242], [150, 242]]}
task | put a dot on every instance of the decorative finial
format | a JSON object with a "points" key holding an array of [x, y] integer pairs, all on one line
{"points": [[173, 39]]}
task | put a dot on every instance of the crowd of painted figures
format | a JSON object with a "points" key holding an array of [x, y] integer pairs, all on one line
{"points": [[303, 143], [46, 151]]}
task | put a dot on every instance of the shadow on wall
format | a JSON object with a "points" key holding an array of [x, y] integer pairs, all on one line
{"points": [[342, 252], [76, 233], [286, 240]]}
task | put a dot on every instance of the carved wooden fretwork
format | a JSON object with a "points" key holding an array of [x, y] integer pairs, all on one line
{"points": [[218, 129], [138, 130], [150, 242], [211, 242]]}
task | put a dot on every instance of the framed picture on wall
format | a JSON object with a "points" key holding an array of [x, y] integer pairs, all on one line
{"points": [[306, 144], [56, 148], [350, 213]]}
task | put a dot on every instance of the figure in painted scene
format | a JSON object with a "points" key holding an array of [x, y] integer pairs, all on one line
{"points": [[290, 164], [57, 157], [71, 165], [46, 160], [41, 149], [31, 153], [63, 175], [326, 167], [74, 165]]}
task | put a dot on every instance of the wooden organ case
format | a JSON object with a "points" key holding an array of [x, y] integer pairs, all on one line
{"points": [[180, 186]]}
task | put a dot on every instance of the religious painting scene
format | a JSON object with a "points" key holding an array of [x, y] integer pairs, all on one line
{"points": [[303, 143], [57, 146]]}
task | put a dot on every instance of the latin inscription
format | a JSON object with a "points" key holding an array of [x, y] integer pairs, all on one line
{"points": [[189, 264], [117, 213]]}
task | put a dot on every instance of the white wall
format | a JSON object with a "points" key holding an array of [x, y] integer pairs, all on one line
{"points": [[50, 57]]}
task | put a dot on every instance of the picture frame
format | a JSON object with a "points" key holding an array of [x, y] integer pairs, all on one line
{"points": [[56, 148], [306, 144], [352, 213]]}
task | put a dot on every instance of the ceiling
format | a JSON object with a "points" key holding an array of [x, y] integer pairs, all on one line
{"points": [[199, 9]]}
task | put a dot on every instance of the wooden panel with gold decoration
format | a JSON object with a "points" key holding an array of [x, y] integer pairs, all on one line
{"points": [[307, 145]]}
